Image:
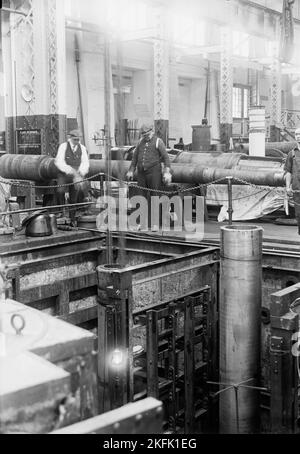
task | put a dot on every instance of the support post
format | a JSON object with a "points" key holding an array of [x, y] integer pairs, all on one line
{"points": [[240, 268], [115, 335], [226, 88], [275, 114], [230, 209], [107, 139], [161, 76]]}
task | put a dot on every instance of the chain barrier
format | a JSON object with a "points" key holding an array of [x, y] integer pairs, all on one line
{"points": [[156, 191]]}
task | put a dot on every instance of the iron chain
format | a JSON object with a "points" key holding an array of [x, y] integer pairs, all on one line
{"points": [[178, 191]]}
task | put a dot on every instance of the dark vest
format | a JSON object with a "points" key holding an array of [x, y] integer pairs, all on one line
{"points": [[73, 159], [148, 155]]}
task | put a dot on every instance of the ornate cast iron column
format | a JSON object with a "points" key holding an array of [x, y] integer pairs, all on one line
{"points": [[161, 75], [226, 84], [275, 110]]}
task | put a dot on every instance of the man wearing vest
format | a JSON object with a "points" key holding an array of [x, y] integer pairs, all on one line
{"points": [[148, 156], [73, 164], [292, 178]]}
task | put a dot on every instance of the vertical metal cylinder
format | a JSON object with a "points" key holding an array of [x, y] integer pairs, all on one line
{"points": [[240, 308], [257, 131]]}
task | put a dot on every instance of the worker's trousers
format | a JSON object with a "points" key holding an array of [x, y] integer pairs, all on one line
{"points": [[77, 192], [150, 179]]}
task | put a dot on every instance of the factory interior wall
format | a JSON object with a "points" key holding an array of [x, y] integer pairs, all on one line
{"points": [[91, 72], [214, 105], [72, 96], [186, 101], [185, 107], [176, 118], [186, 98], [142, 97]]}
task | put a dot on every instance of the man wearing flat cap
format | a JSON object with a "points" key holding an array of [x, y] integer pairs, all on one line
{"points": [[148, 157], [73, 164], [292, 176]]}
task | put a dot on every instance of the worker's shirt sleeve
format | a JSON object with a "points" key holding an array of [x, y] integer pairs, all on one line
{"points": [[134, 159], [85, 165], [288, 166], [163, 153], [60, 160]]}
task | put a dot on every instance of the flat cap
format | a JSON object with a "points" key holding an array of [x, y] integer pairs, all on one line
{"points": [[75, 133], [146, 127]]}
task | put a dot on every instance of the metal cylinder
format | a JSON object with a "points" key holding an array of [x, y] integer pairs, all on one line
{"points": [[257, 131], [38, 168], [240, 308], [27, 167], [285, 147], [53, 223], [209, 159]]}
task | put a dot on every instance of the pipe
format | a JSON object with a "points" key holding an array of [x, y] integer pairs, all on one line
{"points": [[240, 307], [28, 167], [229, 189], [52, 207], [77, 62], [38, 168], [13, 11], [209, 159]]}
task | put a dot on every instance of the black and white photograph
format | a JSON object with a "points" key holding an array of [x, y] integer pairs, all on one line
{"points": [[149, 220]]}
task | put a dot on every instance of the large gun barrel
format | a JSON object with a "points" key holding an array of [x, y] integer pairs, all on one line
{"points": [[42, 168]]}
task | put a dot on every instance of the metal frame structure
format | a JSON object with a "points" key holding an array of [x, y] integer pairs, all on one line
{"points": [[284, 367], [145, 304]]}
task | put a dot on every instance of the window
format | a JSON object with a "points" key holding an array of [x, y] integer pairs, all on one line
{"points": [[240, 101]]}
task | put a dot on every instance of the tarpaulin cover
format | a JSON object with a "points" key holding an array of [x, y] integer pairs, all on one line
{"points": [[247, 202]]}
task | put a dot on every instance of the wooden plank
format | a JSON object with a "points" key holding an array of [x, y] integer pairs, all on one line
{"points": [[144, 416], [284, 381], [23, 245], [102, 356], [152, 354], [29, 380], [130, 345], [172, 368], [276, 384], [281, 300], [166, 267], [57, 261], [111, 384], [286, 322], [79, 282], [81, 316], [189, 365], [63, 298], [16, 284]]}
